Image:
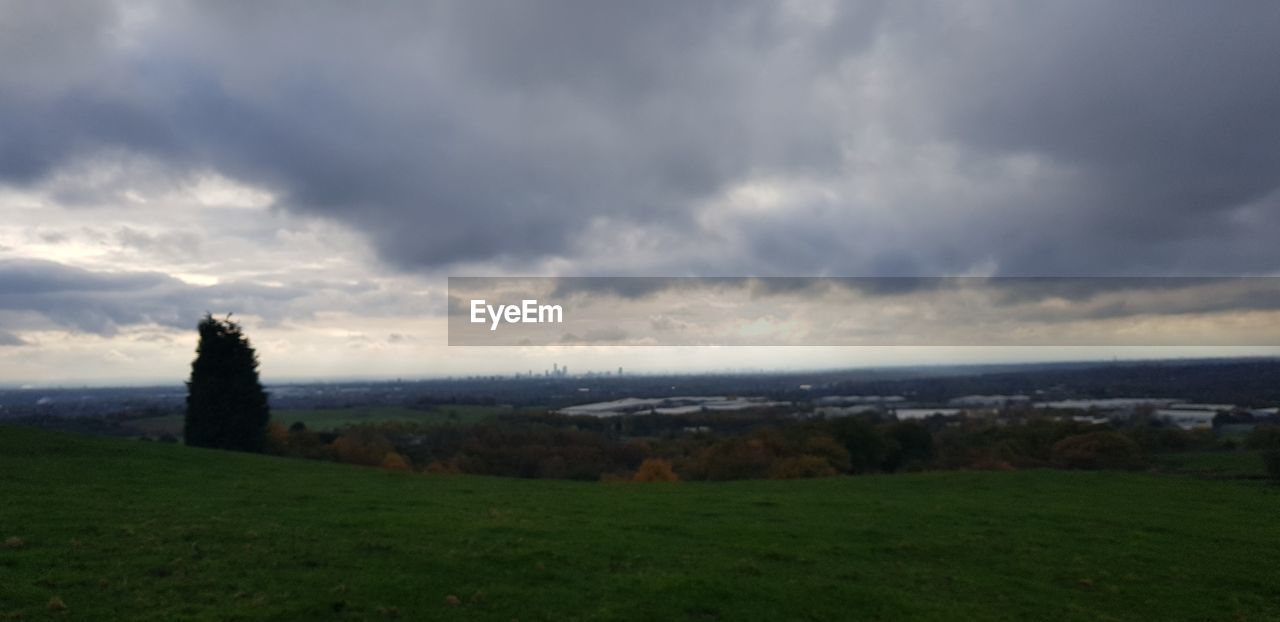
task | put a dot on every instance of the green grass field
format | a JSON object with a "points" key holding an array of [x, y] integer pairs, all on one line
{"points": [[1226, 464], [119, 529], [325, 419]]}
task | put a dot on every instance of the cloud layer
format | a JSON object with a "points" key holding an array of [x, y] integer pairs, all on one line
{"points": [[304, 161], [728, 138]]}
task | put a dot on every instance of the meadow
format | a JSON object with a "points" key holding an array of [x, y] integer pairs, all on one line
{"points": [[330, 419], [99, 529], [1216, 464]]}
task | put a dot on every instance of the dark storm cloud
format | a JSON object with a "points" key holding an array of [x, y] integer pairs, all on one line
{"points": [[1007, 290], [102, 302], [91, 301], [632, 287], [1163, 111], [1079, 138]]}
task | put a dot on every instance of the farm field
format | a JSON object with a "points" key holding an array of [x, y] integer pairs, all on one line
{"points": [[1224, 464], [99, 529], [327, 419]]}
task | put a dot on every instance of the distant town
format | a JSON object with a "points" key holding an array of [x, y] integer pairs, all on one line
{"points": [[1228, 395]]}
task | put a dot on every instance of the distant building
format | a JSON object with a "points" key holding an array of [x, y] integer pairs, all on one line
{"points": [[1186, 418], [988, 401]]}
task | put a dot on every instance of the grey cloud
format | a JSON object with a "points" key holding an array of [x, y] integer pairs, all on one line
{"points": [[10, 339], [94, 302], [1042, 299], [103, 302], [1161, 112], [599, 335], [630, 287], [178, 245], [1079, 138], [636, 287], [1017, 290], [399, 338], [456, 306], [52, 237]]}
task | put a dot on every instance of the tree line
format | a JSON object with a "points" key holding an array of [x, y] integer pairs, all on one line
{"points": [[227, 408]]}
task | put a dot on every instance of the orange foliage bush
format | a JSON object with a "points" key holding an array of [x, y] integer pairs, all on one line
{"points": [[655, 470], [441, 468], [800, 467], [363, 447], [1097, 450], [393, 461], [829, 450], [277, 441]]}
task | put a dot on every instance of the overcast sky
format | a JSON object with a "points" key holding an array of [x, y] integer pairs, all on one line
{"points": [[319, 168]]}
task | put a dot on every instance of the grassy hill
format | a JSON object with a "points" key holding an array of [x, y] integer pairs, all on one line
{"points": [[117, 529]]}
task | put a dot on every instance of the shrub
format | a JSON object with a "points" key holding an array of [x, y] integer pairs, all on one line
{"points": [[1164, 439], [437, 467], [277, 441], [992, 463], [395, 462], [553, 467], [655, 470], [738, 458], [911, 446], [363, 447], [1271, 459], [800, 467], [1097, 450], [829, 450], [867, 446], [1264, 437], [304, 443]]}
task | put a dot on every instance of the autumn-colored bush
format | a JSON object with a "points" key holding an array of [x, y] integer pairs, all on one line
{"points": [[436, 467], [1026, 442], [656, 470], [362, 446], [776, 453], [828, 449], [1097, 450], [536, 451], [296, 441], [800, 467], [277, 440], [395, 462], [739, 458]]}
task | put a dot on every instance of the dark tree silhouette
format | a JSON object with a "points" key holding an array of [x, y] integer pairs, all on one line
{"points": [[226, 406]]}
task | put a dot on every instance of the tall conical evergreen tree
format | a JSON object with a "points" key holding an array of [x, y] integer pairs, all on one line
{"points": [[226, 406]]}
